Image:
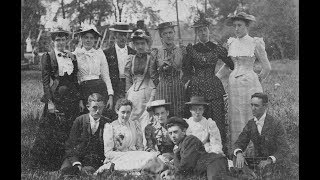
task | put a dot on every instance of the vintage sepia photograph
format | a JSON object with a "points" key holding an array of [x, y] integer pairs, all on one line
{"points": [[159, 89]]}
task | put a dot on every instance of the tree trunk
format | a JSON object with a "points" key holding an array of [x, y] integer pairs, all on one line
{"points": [[281, 49], [62, 8]]}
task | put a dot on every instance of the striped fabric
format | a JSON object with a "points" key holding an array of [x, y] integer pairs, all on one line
{"points": [[171, 89]]}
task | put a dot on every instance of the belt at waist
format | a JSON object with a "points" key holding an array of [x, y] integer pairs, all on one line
{"points": [[88, 77]]}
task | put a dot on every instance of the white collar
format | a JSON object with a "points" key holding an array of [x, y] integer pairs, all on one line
{"points": [[89, 51], [121, 49], [245, 37], [92, 120], [261, 120]]}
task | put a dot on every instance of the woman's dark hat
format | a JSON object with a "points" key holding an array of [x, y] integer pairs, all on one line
{"points": [[140, 34], [239, 16], [89, 28], [59, 31], [201, 21], [197, 100], [165, 25], [177, 121], [121, 27]]}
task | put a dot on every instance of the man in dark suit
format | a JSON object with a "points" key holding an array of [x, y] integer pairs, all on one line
{"points": [[268, 136], [190, 156], [84, 148], [117, 56]]}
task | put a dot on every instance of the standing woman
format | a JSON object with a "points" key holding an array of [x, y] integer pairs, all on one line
{"points": [[200, 78], [166, 70], [93, 74], [139, 86], [243, 81], [61, 98]]}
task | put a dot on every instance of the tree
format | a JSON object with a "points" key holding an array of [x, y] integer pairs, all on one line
{"points": [[32, 10]]}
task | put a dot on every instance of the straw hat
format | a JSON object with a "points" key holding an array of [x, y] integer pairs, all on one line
{"points": [[165, 25], [121, 27], [89, 28], [140, 34], [239, 16], [197, 100]]}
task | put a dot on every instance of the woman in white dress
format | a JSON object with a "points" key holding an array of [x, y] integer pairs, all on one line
{"points": [[243, 81], [123, 142], [93, 74], [204, 129]]}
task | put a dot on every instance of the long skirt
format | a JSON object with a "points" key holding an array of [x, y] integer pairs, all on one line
{"points": [[240, 90], [172, 90]]}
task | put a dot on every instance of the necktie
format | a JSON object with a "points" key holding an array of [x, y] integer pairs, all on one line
{"points": [[259, 126], [95, 126]]}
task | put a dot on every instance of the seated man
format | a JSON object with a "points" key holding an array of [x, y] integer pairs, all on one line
{"points": [[268, 136], [190, 156], [157, 137], [85, 144]]}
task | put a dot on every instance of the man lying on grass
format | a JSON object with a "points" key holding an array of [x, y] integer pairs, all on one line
{"points": [[190, 156]]}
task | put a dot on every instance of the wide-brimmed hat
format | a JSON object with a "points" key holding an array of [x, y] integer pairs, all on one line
{"points": [[89, 28], [239, 16], [158, 103], [197, 100], [120, 27], [59, 31], [176, 121], [165, 25], [140, 34]]}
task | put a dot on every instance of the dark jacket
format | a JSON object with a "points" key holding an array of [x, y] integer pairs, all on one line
{"points": [[81, 139], [191, 156], [50, 75], [271, 142], [111, 55]]}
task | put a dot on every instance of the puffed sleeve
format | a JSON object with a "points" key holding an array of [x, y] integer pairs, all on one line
{"points": [[187, 65], [139, 142], [223, 55], [127, 72], [214, 136], [108, 142], [154, 74], [261, 54], [104, 69]]}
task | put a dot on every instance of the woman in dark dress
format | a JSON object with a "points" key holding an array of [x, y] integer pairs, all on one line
{"points": [[199, 75], [61, 98]]}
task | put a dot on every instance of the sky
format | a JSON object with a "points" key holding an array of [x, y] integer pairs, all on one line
{"points": [[167, 12]]}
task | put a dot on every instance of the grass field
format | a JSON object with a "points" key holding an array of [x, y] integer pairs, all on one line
{"points": [[284, 105]]}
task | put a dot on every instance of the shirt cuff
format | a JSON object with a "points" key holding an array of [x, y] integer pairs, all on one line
{"points": [[236, 150], [273, 159], [76, 163], [110, 92]]}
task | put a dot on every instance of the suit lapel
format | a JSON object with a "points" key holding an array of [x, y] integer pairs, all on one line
{"points": [[86, 124], [267, 124]]}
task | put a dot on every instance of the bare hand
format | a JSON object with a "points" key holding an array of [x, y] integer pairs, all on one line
{"points": [[166, 175], [239, 160], [81, 106], [110, 102], [263, 164]]}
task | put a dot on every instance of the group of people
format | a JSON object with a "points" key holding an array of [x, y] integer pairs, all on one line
{"points": [[130, 107]]}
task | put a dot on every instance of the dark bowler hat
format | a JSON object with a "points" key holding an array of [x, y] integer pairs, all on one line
{"points": [[239, 16], [177, 121], [59, 31], [89, 28], [165, 25], [120, 27], [197, 100]]}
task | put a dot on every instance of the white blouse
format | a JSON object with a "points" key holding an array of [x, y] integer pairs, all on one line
{"points": [[206, 130], [64, 64], [91, 65]]}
